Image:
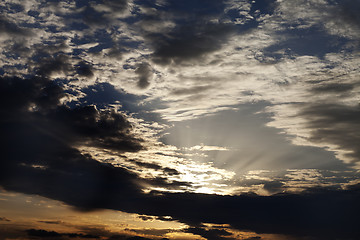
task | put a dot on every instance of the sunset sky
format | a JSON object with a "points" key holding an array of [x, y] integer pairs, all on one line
{"points": [[180, 119]]}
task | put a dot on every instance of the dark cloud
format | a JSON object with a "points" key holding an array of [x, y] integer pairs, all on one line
{"points": [[189, 42], [97, 13], [146, 218], [12, 29], [38, 138], [51, 222], [274, 187], [39, 135], [47, 65], [42, 233], [84, 69], [253, 238], [52, 234], [170, 171], [5, 219], [144, 72], [348, 11], [335, 124], [193, 90], [263, 7], [38, 157], [166, 170], [138, 238], [333, 88], [102, 94], [164, 182], [211, 234], [194, 34]]}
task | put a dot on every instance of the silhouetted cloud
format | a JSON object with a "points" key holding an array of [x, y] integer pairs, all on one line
{"points": [[253, 238], [273, 187], [45, 132], [213, 234], [40, 135], [166, 170], [335, 124], [43, 233], [52, 234]]}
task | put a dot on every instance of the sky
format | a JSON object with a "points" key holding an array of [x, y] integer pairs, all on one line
{"points": [[180, 119]]}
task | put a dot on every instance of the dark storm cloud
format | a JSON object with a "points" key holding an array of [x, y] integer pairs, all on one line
{"points": [[144, 72], [335, 124]]}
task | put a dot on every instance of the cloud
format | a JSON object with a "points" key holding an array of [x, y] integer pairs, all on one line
{"points": [[204, 41], [346, 11], [334, 124], [145, 74], [46, 132], [273, 187], [333, 88], [12, 29], [154, 166], [213, 234], [49, 165], [53, 64], [43, 233], [191, 91], [5, 219], [189, 42], [84, 69]]}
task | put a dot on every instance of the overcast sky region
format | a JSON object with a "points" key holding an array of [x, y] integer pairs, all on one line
{"points": [[180, 119]]}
